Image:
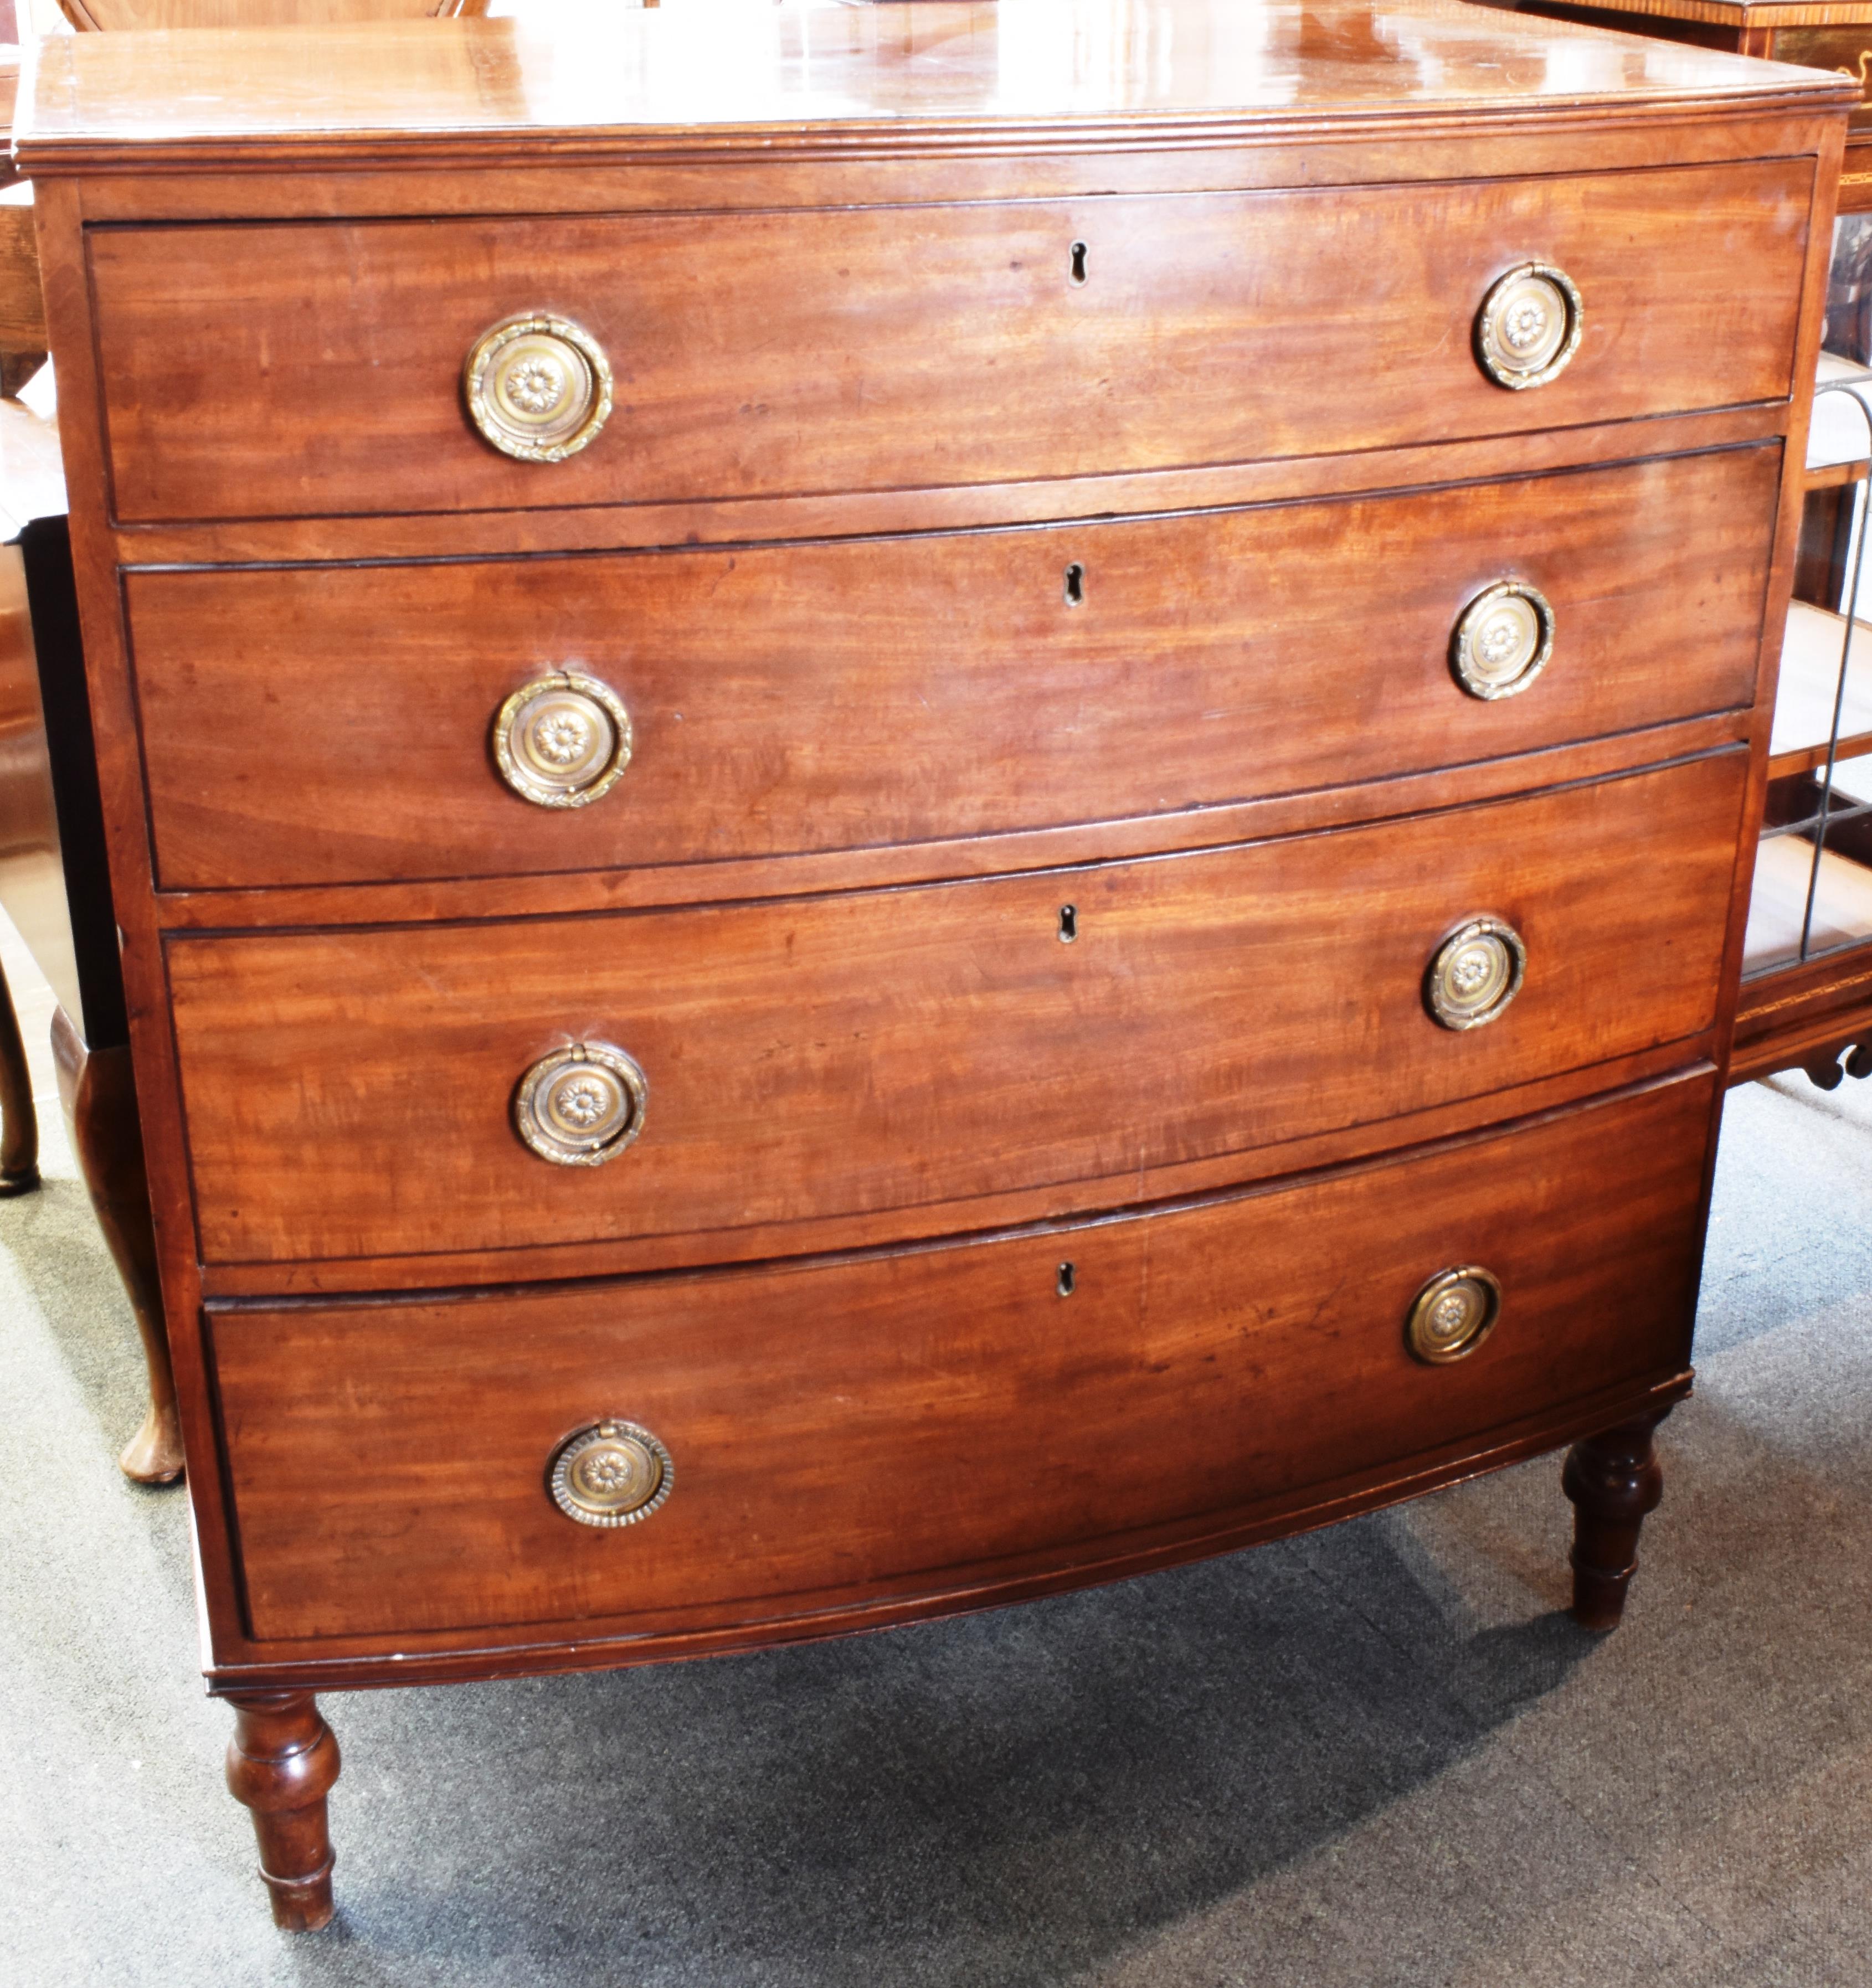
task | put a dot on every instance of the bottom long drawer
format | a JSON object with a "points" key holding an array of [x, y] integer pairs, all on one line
{"points": [[870, 1423]]}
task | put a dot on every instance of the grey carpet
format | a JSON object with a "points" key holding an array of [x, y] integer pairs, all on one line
{"points": [[1378, 1757]]}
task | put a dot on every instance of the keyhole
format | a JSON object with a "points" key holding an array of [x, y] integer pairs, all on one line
{"points": [[1066, 1276], [1078, 261], [1069, 924], [1076, 585]]}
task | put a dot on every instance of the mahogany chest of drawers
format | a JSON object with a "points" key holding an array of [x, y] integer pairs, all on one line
{"points": [[946, 814]]}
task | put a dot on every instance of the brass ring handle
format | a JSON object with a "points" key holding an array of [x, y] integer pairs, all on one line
{"points": [[582, 1105], [1502, 640], [612, 1473], [538, 387], [1453, 1314], [1476, 973], [561, 741], [1529, 326]]}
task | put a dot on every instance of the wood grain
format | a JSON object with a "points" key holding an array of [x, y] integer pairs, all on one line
{"points": [[937, 1411], [794, 698], [348, 1093], [874, 349], [949, 82]]}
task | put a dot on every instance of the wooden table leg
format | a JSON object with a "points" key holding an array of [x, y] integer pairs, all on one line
{"points": [[281, 1762], [19, 1125], [1615, 1482], [100, 1106]]}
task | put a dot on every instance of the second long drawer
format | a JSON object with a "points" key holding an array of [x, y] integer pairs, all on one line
{"points": [[354, 1094], [784, 698]]}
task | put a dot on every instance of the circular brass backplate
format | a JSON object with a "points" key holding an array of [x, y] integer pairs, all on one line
{"points": [[613, 1473], [582, 1105], [1529, 326], [1503, 640], [1453, 1314], [562, 741], [1476, 973], [538, 387]]}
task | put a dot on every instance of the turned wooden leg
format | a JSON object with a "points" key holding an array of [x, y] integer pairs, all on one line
{"points": [[1614, 1482], [100, 1107], [19, 1125], [281, 1762]]}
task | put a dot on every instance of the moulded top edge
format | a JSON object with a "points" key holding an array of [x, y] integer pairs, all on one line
{"points": [[707, 75]]}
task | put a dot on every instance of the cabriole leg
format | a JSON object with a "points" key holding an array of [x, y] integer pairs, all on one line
{"points": [[99, 1095], [1614, 1482], [19, 1128], [281, 1762]]}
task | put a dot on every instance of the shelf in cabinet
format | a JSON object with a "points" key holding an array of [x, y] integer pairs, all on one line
{"points": [[1842, 904], [1833, 475], [1809, 679]]}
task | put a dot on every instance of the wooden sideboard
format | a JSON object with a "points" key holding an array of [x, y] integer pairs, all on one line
{"points": [[953, 813], [1819, 34]]}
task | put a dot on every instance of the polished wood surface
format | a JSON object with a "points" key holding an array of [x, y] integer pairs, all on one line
{"points": [[19, 1130], [800, 697], [133, 15], [1615, 1482], [321, 372], [97, 1088], [835, 1056], [1802, 1017], [22, 308], [281, 1762], [803, 270], [1834, 34], [864, 1423], [965, 77]]}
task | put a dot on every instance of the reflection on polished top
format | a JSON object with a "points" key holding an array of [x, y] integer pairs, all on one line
{"points": [[603, 76]]}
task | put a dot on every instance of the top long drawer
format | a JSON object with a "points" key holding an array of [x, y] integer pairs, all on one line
{"points": [[318, 368]]}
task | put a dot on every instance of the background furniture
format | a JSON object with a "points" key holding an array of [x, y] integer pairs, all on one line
{"points": [[137, 13], [1806, 998], [54, 884], [838, 901], [1818, 34]]}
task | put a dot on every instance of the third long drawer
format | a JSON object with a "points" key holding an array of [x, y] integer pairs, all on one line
{"points": [[353, 1093]]}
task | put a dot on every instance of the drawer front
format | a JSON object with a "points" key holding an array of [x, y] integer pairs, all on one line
{"points": [[353, 1093], [881, 1422], [270, 371], [797, 697]]}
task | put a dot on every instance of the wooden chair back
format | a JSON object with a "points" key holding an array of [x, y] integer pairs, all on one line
{"points": [[89, 14]]}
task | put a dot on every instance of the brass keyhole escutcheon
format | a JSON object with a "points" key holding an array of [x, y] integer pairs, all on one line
{"points": [[561, 741], [581, 1106], [538, 387], [1452, 1315], [1529, 326], [1502, 640], [1476, 973], [613, 1473]]}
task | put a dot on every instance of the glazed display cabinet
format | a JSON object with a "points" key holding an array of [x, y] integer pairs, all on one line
{"points": [[1806, 996]]}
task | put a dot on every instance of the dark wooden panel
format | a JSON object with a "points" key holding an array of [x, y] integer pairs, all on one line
{"points": [[857, 1422], [807, 697], [348, 1093], [869, 349]]}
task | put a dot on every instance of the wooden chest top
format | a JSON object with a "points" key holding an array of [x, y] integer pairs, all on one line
{"points": [[703, 78]]}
